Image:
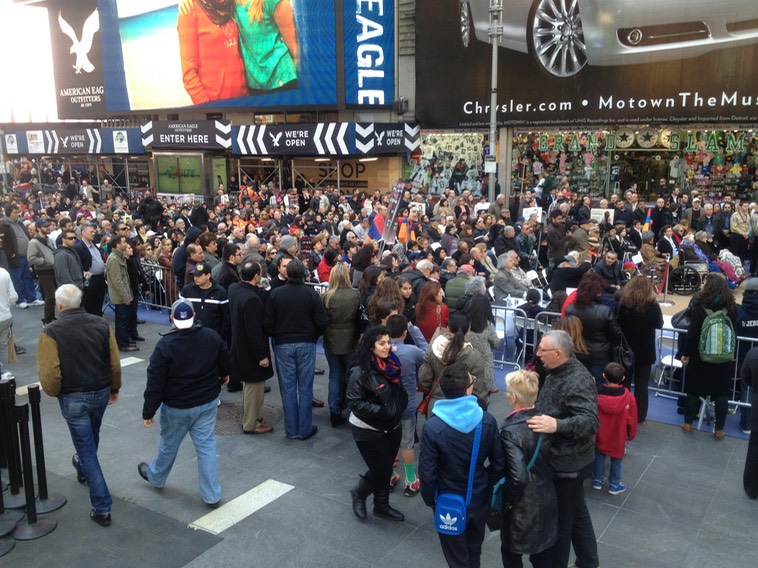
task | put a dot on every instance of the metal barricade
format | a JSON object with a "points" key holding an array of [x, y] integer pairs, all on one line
{"points": [[162, 284], [667, 346], [320, 287], [508, 332]]}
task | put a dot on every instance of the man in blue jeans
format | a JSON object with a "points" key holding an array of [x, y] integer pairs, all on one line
{"points": [[295, 317], [78, 362], [15, 244], [184, 378]]}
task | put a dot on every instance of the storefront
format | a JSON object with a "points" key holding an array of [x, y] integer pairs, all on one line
{"points": [[716, 161]]}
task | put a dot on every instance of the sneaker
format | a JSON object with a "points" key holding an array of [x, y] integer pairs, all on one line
{"points": [[22, 305], [37, 303], [412, 489], [394, 481], [745, 431], [597, 484], [616, 489]]}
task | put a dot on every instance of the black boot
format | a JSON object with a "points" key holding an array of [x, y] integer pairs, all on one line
{"points": [[382, 506], [359, 493]]}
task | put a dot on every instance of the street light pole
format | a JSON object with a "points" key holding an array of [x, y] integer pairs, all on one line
{"points": [[495, 31]]}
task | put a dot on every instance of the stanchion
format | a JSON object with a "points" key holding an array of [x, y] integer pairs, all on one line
{"points": [[34, 527], [45, 502], [14, 500], [665, 301]]}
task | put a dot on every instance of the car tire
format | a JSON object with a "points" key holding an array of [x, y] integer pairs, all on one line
{"points": [[464, 22], [556, 38]]}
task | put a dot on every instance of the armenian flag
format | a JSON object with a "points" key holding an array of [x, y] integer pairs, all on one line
{"points": [[648, 221], [376, 229]]}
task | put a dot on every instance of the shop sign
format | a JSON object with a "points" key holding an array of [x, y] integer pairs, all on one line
{"points": [[369, 52], [293, 139], [190, 134], [377, 138]]}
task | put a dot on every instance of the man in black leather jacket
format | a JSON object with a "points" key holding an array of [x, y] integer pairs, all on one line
{"points": [[568, 407]]}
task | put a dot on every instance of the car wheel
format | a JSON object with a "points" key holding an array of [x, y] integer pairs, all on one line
{"points": [[557, 38], [465, 20]]}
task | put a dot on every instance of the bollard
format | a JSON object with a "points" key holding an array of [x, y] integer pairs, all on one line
{"points": [[45, 503], [34, 527], [9, 432]]}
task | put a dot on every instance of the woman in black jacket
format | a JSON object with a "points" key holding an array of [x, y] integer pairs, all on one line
{"points": [[703, 379], [639, 316], [377, 399], [530, 504], [600, 328]]}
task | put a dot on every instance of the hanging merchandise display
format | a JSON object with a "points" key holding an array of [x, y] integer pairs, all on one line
{"points": [[717, 161]]}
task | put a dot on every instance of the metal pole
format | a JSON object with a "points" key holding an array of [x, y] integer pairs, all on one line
{"points": [[495, 31]]}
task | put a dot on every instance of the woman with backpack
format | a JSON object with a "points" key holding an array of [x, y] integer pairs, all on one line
{"points": [[701, 378]]}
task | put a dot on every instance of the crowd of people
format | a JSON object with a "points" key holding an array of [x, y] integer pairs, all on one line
{"points": [[396, 318]]}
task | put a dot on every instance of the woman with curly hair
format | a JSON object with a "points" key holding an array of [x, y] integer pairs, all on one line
{"points": [[639, 316], [707, 379], [431, 310], [376, 398]]}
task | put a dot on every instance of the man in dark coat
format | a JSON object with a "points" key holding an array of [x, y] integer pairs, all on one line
{"points": [[568, 410], [184, 377], [295, 317], [750, 378], [251, 359]]}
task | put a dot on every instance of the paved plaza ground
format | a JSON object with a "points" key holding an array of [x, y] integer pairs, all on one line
{"points": [[286, 503]]}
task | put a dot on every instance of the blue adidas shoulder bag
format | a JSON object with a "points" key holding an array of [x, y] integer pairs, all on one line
{"points": [[450, 508]]}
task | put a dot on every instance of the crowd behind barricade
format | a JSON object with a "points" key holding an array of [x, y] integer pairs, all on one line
{"points": [[415, 314]]}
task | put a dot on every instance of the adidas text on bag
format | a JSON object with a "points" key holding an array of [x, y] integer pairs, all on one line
{"points": [[717, 338]]}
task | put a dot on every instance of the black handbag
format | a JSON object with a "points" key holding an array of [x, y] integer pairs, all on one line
{"points": [[623, 355], [682, 320]]}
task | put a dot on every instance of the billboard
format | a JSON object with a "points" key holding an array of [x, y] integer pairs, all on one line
{"points": [[369, 52], [262, 53], [93, 58], [564, 62]]}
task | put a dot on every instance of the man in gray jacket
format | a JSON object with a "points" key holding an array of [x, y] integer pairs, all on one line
{"points": [[568, 406], [67, 264], [40, 257]]}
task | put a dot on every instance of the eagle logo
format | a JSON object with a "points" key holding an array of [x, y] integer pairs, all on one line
{"points": [[379, 137], [275, 138], [81, 47], [64, 140]]}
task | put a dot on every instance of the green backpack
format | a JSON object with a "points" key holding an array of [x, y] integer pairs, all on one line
{"points": [[717, 338]]}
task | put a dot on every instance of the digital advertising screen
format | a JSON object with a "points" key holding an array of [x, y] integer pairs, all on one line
{"points": [[90, 58], [219, 53]]}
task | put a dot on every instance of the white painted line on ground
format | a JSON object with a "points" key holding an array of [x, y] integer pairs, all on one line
{"points": [[241, 507], [126, 361], [22, 391]]}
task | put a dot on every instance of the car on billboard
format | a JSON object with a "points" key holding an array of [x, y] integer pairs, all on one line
{"points": [[565, 35]]}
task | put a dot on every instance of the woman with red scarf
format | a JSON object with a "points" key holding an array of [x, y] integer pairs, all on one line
{"points": [[377, 399]]}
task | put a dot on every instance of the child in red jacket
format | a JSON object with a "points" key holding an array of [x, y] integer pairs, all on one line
{"points": [[618, 423]]}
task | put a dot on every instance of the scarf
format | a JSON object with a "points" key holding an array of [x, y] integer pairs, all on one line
{"points": [[390, 367], [219, 11]]}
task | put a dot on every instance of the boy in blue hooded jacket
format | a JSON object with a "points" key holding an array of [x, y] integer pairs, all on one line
{"points": [[446, 446]]}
